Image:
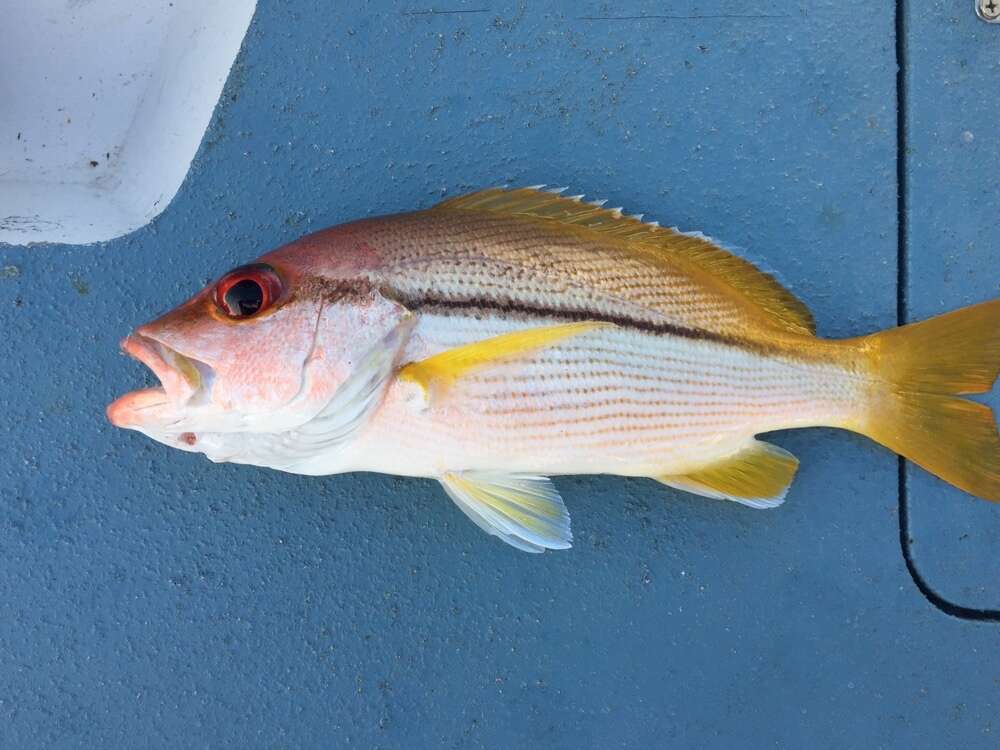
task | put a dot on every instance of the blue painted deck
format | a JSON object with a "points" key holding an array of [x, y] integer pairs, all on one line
{"points": [[151, 599], [954, 253]]}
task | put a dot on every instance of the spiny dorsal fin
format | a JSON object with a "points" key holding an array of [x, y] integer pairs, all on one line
{"points": [[759, 288]]}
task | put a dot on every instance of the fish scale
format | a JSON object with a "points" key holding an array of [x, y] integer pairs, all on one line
{"points": [[546, 270], [518, 412]]}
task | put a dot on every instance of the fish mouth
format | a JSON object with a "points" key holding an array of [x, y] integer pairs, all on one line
{"points": [[183, 380]]}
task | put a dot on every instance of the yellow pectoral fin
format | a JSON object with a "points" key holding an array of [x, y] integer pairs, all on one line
{"points": [[439, 372]]}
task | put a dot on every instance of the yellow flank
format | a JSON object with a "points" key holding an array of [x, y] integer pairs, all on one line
{"points": [[439, 372]]}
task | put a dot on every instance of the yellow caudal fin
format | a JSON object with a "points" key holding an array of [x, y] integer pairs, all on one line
{"points": [[917, 410], [439, 372]]}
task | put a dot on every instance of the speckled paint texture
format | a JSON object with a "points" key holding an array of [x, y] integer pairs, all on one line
{"points": [[149, 598]]}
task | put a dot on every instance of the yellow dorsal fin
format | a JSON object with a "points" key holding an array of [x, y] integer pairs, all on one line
{"points": [[758, 476], [759, 288], [437, 373]]}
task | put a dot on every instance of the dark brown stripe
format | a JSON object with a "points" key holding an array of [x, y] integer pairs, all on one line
{"points": [[331, 290], [435, 304]]}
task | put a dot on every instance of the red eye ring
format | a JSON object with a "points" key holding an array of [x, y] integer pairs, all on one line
{"points": [[247, 291]]}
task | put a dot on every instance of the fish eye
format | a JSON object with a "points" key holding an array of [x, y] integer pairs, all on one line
{"points": [[247, 291]]}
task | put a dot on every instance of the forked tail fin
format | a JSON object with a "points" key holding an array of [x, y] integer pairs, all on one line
{"points": [[922, 369]]}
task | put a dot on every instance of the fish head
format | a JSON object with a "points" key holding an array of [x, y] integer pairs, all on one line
{"points": [[257, 353]]}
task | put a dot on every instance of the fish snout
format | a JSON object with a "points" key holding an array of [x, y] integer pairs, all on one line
{"points": [[183, 380], [138, 408]]}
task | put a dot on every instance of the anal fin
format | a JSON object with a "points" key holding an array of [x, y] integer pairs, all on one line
{"points": [[525, 511], [758, 476]]}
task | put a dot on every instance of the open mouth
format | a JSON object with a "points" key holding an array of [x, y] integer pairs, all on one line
{"points": [[183, 380]]}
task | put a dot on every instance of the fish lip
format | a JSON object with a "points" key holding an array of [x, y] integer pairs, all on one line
{"points": [[182, 379], [167, 364]]}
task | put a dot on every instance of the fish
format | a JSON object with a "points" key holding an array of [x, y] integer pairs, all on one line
{"points": [[507, 336]]}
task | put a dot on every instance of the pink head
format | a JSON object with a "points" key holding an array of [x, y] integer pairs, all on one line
{"points": [[259, 352]]}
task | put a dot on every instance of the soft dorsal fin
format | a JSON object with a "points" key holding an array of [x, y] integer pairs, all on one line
{"points": [[648, 240], [758, 476]]}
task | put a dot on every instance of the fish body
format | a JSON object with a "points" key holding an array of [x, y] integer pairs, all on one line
{"points": [[615, 400], [507, 336]]}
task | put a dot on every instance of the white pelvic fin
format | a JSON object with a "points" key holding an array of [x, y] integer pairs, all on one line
{"points": [[757, 476], [525, 511]]}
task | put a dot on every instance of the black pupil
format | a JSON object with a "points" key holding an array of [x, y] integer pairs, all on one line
{"points": [[244, 298]]}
